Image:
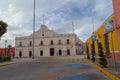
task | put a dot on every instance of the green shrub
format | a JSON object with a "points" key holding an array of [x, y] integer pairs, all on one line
{"points": [[102, 59], [93, 52], [7, 58], [1, 59], [87, 51]]}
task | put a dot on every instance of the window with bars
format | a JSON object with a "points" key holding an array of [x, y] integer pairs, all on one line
{"points": [[52, 42], [68, 41], [30, 43], [41, 42], [20, 44], [59, 42]]}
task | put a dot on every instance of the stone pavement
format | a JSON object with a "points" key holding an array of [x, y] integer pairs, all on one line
{"points": [[62, 68], [18, 60]]}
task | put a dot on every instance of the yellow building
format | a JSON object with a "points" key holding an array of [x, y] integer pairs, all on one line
{"points": [[106, 38]]}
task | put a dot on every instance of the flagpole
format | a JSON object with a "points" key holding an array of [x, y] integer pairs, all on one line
{"points": [[72, 26], [33, 28]]}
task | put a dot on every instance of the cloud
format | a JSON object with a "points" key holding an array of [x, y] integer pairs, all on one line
{"points": [[16, 21], [58, 14], [102, 8], [82, 27]]}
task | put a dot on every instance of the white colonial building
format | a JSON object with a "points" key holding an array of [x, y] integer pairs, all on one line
{"points": [[47, 43]]}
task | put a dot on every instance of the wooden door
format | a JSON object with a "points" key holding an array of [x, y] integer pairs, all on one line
{"points": [[68, 52], [51, 51], [41, 53], [60, 52]]}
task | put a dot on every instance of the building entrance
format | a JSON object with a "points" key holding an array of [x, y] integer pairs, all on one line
{"points": [[51, 51], [20, 54], [60, 52], [68, 52], [30, 53], [41, 53]]}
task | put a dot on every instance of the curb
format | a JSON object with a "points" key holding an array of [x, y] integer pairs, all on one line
{"points": [[108, 74], [5, 64]]}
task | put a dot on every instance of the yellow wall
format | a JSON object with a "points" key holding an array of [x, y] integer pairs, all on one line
{"points": [[115, 42], [114, 37], [88, 43], [101, 31]]}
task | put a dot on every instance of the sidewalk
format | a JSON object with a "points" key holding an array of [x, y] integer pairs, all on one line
{"points": [[6, 63], [22, 60], [18, 60], [115, 70]]}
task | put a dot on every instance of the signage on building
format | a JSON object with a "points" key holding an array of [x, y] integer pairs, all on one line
{"points": [[109, 25], [93, 38]]}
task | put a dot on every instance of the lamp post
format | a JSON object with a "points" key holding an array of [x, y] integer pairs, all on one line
{"points": [[33, 28], [5, 46], [9, 53], [93, 46]]}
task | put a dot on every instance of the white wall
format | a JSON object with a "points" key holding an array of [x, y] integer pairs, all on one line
{"points": [[46, 44]]}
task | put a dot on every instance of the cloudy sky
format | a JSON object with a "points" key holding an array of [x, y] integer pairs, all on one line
{"points": [[58, 16]]}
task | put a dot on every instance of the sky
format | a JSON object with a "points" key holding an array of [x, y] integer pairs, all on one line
{"points": [[58, 15]]}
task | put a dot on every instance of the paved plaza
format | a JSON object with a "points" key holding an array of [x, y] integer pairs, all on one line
{"points": [[52, 68]]}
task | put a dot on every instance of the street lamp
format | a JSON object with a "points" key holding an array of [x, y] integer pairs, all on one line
{"points": [[33, 28], [9, 53], [93, 46], [5, 46]]}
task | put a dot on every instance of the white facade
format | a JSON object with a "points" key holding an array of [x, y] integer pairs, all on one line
{"points": [[47, 43]]}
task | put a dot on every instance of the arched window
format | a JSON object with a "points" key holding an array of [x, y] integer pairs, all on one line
{"points": [[51, 42], [42, 34], [60, 52], [20, 44], [68, 41], [68, 51], [59, 42], [41, 52], [30, 43], [30, 53], [41, 42]]}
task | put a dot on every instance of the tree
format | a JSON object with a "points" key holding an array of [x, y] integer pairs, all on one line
{"points": [[102, 59], [93, 52], [87, 51], [3, 28]]}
